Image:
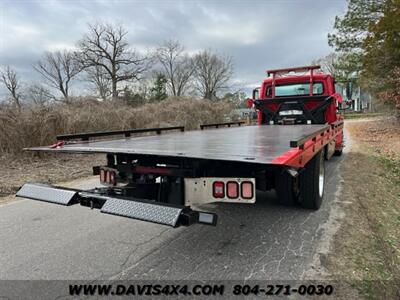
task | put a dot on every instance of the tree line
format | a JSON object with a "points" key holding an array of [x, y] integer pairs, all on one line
{"points": [[104, 58], [366, 40]]}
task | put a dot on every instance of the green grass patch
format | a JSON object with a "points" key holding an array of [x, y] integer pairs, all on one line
{"points": [[354, 115], [392, 166]]}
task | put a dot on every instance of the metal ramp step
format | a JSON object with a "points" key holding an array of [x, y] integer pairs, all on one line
{"points": [[48, 193], [141, 209], [151, 212]]}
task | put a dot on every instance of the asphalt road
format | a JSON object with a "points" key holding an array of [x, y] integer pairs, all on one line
{"points": [[261, 241]]}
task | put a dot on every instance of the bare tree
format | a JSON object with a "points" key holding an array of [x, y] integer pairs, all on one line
{"points": [[39, 95], [211, 72], [11, 81], [178, 67], [336, 64], [58, 69], [100, 79], [105, 46], [327, 63]]}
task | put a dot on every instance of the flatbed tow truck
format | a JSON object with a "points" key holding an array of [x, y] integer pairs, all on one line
{"points": [[159, 178]]}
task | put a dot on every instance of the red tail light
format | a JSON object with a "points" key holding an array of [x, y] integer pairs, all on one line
{"points": [[247, 189], [112, 177], [218, 189], [108, 176], [232, 189], [102, 175]]}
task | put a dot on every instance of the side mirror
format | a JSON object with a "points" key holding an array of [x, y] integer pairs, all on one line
{"points": [[250, 103], [256, 93]]}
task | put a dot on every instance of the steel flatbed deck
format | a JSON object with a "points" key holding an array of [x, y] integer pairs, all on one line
{"points": [[252, 144]]}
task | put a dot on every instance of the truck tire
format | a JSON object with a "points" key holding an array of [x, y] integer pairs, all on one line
{"points": [[284, 187], [312, 181], [338, 152]]}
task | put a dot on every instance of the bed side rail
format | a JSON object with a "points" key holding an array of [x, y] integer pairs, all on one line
{"points": [[126, 133], [217, 125], [303, 139]]}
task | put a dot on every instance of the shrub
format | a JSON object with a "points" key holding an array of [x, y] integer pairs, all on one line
{"points": [[38, 125]]}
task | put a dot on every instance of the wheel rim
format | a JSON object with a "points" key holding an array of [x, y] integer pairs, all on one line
{"points": [[321, 178]]}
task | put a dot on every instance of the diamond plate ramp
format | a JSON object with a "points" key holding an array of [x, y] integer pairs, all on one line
{"points": [[161, 214], [47, 193]]}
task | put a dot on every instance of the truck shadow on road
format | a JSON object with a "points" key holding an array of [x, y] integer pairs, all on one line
{"points": [[264, 240]]}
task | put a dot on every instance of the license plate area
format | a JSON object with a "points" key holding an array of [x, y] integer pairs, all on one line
{"points": [[220, 189]]}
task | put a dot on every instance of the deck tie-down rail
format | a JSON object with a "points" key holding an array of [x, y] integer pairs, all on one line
{"points": [[126, 133], [217, 125]]}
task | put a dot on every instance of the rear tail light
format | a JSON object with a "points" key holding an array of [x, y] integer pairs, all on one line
{"points": [[232, 189], [247, 189], [102, 175], [108, 177], [218, 189], [112, 177]]}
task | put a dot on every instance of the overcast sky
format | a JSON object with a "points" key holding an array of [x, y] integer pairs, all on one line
{"points": [[258, 34]]}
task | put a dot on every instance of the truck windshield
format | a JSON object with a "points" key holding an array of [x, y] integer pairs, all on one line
{"points": [[296, 89]]}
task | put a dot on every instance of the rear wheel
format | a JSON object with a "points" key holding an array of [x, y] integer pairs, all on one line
{"points": [[312, 181], [338, 152], [285, 188]]}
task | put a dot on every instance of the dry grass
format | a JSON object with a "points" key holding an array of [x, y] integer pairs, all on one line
{"points": [[50, 168], [383, 135], [366, 251], [39, 125]]}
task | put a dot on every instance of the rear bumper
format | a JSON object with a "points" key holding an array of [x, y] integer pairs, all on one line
{"points": [[140, 209]]}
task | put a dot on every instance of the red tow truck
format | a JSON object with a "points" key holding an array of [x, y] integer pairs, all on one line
{"points": [[160, 178]]}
